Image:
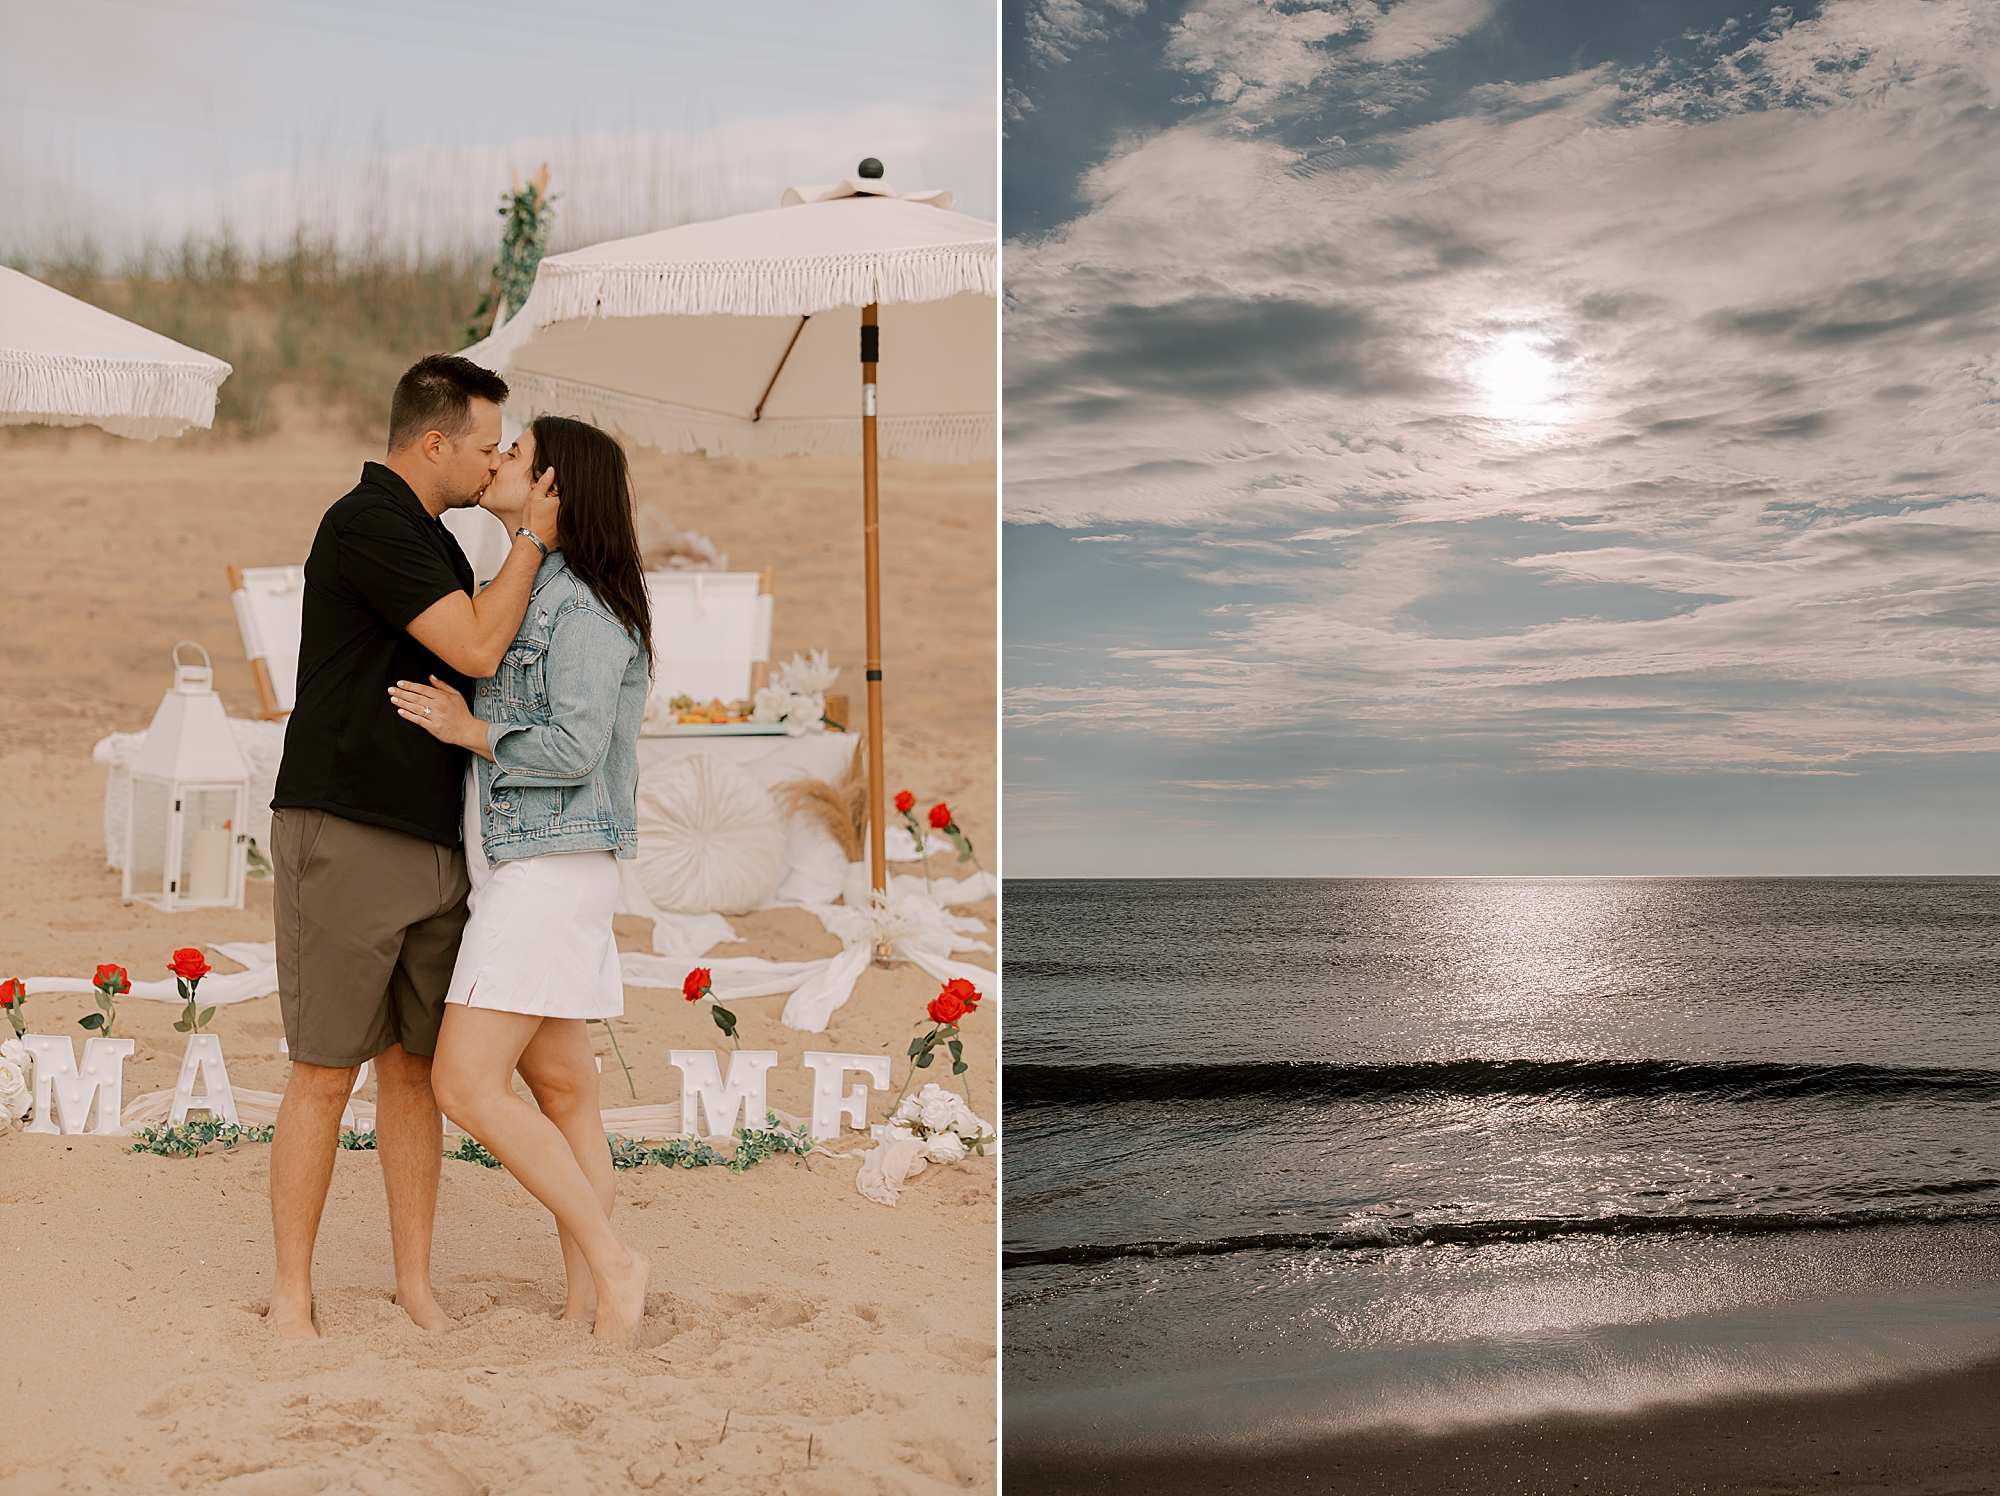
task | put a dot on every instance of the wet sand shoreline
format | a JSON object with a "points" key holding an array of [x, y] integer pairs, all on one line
{"points": [[1933, 1433]]}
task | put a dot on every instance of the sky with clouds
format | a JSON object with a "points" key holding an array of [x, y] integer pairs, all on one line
{"points": [[1502, 436], [123, 120]]}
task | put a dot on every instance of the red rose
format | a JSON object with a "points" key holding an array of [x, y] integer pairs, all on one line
{"points": [[188, 965], [965, 992], [697, 984], [946, 1007], [940, 816], [11, 992], [904, 800], [112, 979]]}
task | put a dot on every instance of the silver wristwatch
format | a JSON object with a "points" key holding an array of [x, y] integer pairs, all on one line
{"points": [[524, 530]]}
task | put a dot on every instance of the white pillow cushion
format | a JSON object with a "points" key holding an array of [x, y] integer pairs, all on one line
{"points": [[710, 839]]}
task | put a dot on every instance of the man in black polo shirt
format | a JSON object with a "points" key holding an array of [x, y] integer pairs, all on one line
{"points": [[365, 826]]}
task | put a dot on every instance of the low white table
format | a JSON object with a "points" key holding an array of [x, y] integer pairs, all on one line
{"points": [[769, 760]]}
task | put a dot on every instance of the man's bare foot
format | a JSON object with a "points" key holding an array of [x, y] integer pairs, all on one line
{"points": [[292, 1318], [423, 1311], [621, 1303]]}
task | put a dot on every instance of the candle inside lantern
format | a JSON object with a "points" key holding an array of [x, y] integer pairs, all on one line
{"points": [[208, 864]]}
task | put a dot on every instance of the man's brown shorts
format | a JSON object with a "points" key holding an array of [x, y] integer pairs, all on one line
{"points": [[368, 927]]}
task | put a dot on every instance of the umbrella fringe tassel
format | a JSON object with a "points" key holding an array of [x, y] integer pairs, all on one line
{"points": [[761, 288], [129, 397]]}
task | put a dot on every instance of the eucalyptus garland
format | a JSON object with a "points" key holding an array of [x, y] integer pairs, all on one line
{"points": [[753, 1145], [525, 214], [193, 1135]]}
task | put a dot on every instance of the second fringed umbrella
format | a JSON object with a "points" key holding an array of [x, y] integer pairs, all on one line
{"points": [[739, 337]]}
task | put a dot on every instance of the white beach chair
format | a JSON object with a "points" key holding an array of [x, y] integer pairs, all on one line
{"points": [[711, 633], [269, 603]]}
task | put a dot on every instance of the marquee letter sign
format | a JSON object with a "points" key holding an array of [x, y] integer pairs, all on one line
{"points": [[64, 1092], [702, 1077], [829, 1070], [203, 1061]]}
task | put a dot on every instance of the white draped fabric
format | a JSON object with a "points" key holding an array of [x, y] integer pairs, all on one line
{"points": [[917, 925]]}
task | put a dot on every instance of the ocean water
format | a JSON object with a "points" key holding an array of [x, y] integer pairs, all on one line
{"points": [[1291, 1157]]}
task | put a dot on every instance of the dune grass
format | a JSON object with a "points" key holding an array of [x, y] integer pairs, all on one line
{"points": [[332, 329]]}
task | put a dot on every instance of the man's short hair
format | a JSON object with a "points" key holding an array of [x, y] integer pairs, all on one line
{"points": [[436, 394]]}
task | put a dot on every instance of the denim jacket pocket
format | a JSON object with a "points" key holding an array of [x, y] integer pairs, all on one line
{"points": [[523, 674]]}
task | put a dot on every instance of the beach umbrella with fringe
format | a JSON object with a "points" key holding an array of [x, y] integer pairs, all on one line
{"points": [[64, 362], [740, 337]]}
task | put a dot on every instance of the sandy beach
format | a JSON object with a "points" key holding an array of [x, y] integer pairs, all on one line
{"points": [[800, 1338], [1931, 1434]]}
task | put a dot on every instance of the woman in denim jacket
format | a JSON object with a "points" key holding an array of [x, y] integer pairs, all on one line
{"points": [[550, 807]]}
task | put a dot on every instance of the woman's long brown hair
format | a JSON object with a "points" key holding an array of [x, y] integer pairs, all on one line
{"points": [[599, 541]]}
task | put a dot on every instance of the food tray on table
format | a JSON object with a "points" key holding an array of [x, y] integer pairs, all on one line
{"points": [[717, 730]]}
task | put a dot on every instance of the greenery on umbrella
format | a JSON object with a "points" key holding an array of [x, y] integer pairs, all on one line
{"points": [[525, 213]]}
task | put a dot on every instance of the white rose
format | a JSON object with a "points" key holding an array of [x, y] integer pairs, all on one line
{"points": [[946, 1148], [770, 704], [16, 1097], [938, 1114], [802, 714], [15, 1050], [909, 1110]]}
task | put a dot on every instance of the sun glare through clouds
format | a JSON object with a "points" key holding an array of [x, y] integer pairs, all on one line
{"points": [[1516, 379]]}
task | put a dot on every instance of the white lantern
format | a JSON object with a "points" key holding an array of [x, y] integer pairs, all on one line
{"points": [[185, 842]]}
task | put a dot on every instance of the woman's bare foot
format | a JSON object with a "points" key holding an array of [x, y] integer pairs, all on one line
{"points": [[423, 1311], [292, 1319], [583, 1305], [621, 1303]]}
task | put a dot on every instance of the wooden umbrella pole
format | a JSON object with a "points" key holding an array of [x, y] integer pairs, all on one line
{"points": [[871, 533]]}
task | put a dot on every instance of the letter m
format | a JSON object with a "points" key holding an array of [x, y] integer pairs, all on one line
{"points": [[701, 1077]]}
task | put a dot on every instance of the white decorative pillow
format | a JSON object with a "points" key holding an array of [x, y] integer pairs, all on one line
{"points": [[710, 839]]}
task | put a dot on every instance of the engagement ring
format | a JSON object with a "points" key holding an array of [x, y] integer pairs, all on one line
{"points": [[427, 711]]}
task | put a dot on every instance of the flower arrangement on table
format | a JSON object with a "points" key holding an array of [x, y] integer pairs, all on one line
{"points": [[796, 695]]}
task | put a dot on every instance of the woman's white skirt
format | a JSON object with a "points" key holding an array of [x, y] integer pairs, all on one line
{"points": [[539, 939]]}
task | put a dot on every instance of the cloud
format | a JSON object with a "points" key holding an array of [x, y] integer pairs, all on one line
{"points": [[1057, 29], [1641, 418], [1255, 56]]}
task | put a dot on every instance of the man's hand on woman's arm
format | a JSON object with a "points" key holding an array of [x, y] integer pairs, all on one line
{"points": [[471, 634]]}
